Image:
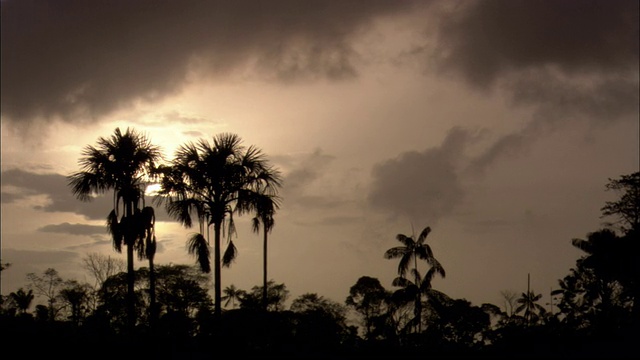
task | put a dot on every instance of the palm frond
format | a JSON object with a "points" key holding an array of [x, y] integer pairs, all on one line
{"points": [[114, 228], [405, 240], [423, 235], [230, 254], [395, 252], [197, 246]]}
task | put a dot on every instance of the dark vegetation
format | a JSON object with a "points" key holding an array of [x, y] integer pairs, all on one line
{"points": [[165, 311]]}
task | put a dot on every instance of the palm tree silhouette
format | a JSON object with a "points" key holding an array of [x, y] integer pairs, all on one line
{"points": [[231, 295], [413, 250], [529, 304], [266, 207], [415, 291], [213, 181], [123, 163], [22, 299], [147, 223]]}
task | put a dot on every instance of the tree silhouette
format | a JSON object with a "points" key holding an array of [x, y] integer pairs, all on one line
{"points": [[214, 181], [414, 291], [232, 295], [266, 207], [413, 250], [47, 286], [529, 304], [76, 297], [277, 294], [124, 163], [369, 298], [627, 207], [22, 299]]}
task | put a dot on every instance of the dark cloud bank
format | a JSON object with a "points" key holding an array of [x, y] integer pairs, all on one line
{"points": [[568, 59], [60, 199], [75, 58]]}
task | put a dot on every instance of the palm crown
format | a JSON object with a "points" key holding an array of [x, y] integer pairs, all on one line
{"points": [[214, 181]]}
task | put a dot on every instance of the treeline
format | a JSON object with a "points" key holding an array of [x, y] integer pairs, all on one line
{"points": [[165, 311]]}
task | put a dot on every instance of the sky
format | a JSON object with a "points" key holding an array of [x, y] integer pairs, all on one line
{"points": [[497, 123]]}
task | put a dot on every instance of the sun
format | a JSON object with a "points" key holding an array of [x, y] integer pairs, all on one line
{"points": [[152, 189]]}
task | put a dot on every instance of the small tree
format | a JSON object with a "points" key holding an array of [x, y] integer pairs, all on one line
{"points": [[369, 298], [47, 286], [627, 207], [277, 295], [22, 299], [75, 297]]}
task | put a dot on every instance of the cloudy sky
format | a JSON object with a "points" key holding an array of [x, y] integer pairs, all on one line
{"points": [[496, 123]]}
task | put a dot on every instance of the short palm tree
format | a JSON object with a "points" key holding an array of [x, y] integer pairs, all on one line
{"points": [[415, 291], [214, 181], [124, 163], [529, 304], [266, 207], [22, 299], [232, 295]]}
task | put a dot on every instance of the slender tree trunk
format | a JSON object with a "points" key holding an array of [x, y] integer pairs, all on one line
{"points": [[152, 294], [264, 270], [131, 309], [217, 286]]}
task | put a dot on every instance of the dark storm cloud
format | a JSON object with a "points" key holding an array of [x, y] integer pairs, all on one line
{"points": [[73, 229], [55, 187], [485, 40], [83, 59], [422, 185], [24, 184], [566, 60]]}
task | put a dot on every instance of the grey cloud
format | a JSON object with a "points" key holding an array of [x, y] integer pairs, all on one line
{"points": [[311, 168], [81, 60], [195, 134], [422, 186], [484, 40], [55, 187], [61, 199], [567, 59], [73, 229]]}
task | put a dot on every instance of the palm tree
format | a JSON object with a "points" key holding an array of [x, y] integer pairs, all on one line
{"points": [[231, 295], [265, 209], [22, 299], [414, 291], [124, 163], [147, 223], [529, 304], [413, 250], [213, 181]]}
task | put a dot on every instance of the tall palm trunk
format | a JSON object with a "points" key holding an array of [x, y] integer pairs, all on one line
{"points": [[152, 294], [129, 242], [217, 286], [264, 269]]}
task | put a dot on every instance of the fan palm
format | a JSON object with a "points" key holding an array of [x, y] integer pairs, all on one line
{"points": [[266, 207], [124, 163], [214, 181]]}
